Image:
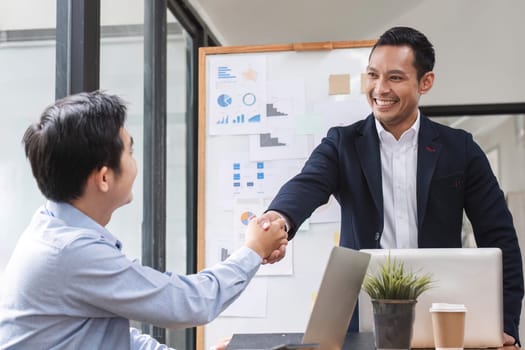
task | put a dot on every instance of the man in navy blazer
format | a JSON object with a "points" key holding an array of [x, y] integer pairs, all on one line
{"points": [[402, 180]]}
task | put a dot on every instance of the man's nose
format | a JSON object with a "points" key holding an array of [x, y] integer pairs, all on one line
{"points": [[382, 86]]}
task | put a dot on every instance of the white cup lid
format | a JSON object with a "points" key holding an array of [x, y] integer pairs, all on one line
{"points": [[444, 307]]}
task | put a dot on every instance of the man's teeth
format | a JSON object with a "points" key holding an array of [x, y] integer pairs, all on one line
{"points": [[385, 102]]}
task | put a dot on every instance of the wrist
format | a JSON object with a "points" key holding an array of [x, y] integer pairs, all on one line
{"points": [[256, 248]]}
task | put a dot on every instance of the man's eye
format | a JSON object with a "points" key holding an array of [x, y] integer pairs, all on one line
{"points": [[396, 78], [372, 75]]}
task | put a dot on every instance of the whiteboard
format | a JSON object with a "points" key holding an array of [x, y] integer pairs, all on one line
{"points": [[262, 110]]}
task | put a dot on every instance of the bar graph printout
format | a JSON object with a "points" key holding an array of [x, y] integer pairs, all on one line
{"points": [[237, 88]]}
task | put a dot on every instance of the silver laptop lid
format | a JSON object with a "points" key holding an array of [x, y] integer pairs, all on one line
{"points": [[336, 299], [470, 276]]}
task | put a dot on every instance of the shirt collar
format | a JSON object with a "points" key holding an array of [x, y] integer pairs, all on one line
{"points": [[74, 217], [381, 131]]}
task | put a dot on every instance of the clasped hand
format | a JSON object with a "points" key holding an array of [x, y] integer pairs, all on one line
{"points": [[279, 253]]}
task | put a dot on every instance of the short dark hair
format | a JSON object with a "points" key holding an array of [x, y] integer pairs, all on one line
{"points": [[75, 136], [424, 55]]}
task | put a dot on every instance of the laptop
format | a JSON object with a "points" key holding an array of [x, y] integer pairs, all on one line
{"points": [[332, 311], [469, 276]]}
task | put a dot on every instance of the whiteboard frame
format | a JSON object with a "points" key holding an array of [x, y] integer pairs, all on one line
{"points": [[204, 52]]}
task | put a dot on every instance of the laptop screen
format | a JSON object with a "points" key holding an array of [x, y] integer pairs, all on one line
{"points": [[469, 276], [337, 297], [332, 311]]}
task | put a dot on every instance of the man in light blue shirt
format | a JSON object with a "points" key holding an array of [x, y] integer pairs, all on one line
{"points": [[67, 284]]}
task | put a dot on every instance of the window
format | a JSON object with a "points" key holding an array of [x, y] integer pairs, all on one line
{"points": [[502, 138], [27, 86]]}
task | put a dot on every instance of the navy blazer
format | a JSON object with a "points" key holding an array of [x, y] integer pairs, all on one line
{"points": [[453, 174]]}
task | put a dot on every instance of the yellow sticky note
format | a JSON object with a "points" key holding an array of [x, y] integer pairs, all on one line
{"points": [[337, 237], [339, 84], [364, 77], [314, 297]]}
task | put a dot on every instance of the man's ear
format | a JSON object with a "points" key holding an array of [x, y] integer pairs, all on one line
{"points": [[426, 82], [101, 178]]}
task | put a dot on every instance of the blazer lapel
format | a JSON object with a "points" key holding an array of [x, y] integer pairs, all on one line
{"points": [[428, 152], [367, 146]]}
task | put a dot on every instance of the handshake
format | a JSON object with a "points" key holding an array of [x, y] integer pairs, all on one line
{"points": [[267, 236]]}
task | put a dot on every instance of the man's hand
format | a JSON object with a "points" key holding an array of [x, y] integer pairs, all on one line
{"points": [[221, 344], [264, 237], [278, 254], [508, 339]]}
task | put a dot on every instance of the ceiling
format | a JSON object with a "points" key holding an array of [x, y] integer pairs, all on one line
{"points": [[252, 22], [479, 43], [461, 31]]}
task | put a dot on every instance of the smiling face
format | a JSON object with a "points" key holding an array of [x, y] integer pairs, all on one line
{"points": [[393, 89]]}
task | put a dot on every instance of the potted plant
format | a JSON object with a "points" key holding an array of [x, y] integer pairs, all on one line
{"points": [[394, 292]]}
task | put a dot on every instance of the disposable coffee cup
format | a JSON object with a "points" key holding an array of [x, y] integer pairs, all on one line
{"points": [[448, 324]]}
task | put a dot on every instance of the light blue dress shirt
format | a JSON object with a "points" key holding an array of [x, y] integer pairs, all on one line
{"points": [[68, 286]]}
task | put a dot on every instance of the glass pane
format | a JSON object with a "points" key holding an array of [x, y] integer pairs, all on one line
{"points": [[122, 73], [27, 86], [178, 45], [502, 138]]}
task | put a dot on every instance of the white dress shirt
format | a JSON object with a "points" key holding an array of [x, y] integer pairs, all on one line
{"points": [[399, 168]]}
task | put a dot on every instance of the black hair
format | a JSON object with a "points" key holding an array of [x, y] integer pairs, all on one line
{"points": [[75, 136], [424, 56]]}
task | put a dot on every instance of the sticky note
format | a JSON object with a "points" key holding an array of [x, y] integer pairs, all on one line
{"points": [[314, 298], [364, 77], [337, 237], [339, 84]]}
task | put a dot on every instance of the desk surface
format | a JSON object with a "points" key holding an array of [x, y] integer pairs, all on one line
{"points": [[365, 341], [353, 341]]}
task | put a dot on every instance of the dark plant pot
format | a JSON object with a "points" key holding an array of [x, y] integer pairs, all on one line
{"points": [[393, 323]]}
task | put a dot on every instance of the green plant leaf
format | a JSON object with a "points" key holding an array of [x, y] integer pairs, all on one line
{"points": [[393, 281]]}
